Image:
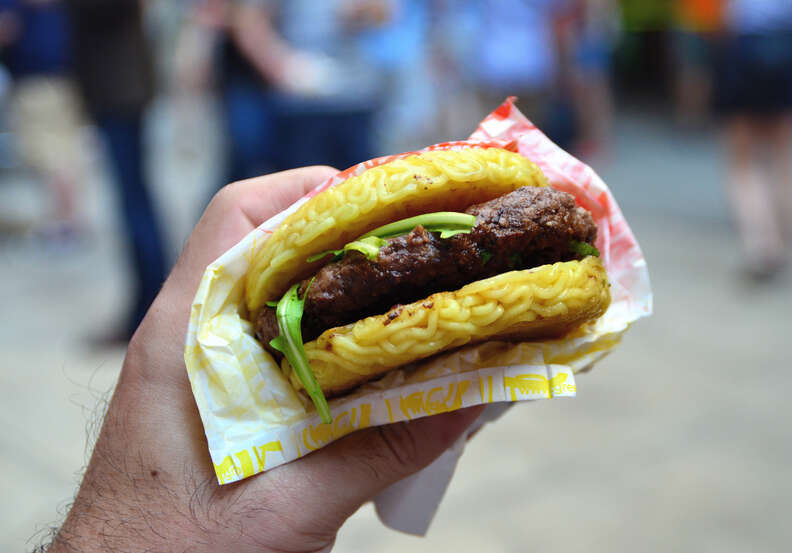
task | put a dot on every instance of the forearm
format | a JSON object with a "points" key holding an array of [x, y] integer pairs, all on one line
{"points": [[255, 37], [127, 501]]}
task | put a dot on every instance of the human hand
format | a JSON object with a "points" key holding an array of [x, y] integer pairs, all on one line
{"points": [[150, 484]]}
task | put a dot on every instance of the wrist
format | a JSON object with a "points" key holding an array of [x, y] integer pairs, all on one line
{"points": [[136, 492]]}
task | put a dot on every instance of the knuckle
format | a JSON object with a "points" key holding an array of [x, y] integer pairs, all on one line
{"points": [[227, 195]]}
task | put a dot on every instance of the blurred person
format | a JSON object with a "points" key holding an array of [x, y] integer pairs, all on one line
{"points": [[518, 55], [333, 88], [696, 24], [114, 70], [296, 87], [398, 47], [586, 39], [191, 76], [246, 90], [44, 108], [642, 56], [151, 485], [754, 93], [646, 15], [455, 31]]}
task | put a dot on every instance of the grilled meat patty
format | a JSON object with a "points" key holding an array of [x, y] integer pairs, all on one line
{"points": [[526, 228]]}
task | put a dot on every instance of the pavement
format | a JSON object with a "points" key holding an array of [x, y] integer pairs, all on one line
{"points": [[678, 441]]}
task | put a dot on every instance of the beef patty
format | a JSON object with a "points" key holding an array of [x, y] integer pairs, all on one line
{"points": [[526, 228]]}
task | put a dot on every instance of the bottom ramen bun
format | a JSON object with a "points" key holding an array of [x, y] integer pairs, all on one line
{"points": [[418, 256]]}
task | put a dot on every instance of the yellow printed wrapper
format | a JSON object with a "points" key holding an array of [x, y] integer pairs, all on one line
{"points": [[253, 418]]}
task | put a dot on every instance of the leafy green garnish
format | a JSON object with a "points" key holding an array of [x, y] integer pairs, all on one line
{"points": [[447, 223], [486, 255], [369, 246], [289, 312], [583, 248], [337, 254]]}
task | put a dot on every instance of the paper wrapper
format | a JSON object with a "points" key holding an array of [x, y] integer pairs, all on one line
{"points": [[253, 418]]}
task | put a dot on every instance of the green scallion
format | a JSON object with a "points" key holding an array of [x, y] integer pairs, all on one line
{"points": [[583, 248], [447, 223], [289, 312]]}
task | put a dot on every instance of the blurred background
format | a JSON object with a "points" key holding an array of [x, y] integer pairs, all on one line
{"points": [[119, 120]]}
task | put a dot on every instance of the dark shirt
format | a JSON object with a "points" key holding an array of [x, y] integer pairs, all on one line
{"points": [[43, 45], [113, 63], [234, 67]]}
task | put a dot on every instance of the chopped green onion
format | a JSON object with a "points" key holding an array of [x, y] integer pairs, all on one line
{"points": [[289, 314], [368, 246], [447, 223], [486, 255], [337, 254], [583, 248]]}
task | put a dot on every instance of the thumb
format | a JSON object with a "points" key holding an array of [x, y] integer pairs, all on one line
{"points": [[351, 471]]}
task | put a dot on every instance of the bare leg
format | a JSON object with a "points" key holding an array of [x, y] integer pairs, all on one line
{"points": [[780, 133], [751, 200], [692, 91], [593, 107], [63, 189]]}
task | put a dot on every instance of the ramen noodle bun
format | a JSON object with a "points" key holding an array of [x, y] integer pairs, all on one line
{"points": [[432, 181], [519, 305], [525, 268]]}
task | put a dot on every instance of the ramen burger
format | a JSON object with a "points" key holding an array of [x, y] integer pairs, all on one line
{"points": [[419, 256]]}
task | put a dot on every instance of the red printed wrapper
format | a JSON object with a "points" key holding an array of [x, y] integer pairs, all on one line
{"points": [[253, 418]]}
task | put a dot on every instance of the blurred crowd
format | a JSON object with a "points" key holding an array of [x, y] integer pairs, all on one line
{"points": [[733, 59], [299, 82]]}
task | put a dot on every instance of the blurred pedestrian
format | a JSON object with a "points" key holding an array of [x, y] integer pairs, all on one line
{"points": [[114, 69], [190, 79], [398, 47], [44, 110], [245, 89], [331, 89], [586, 38], [517, 54], [697, 23], [296, 88], [454, 32], [754, 93]]}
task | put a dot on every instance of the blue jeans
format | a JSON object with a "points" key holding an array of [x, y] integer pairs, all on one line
{"points": [[273, 132], [250, 126]]}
